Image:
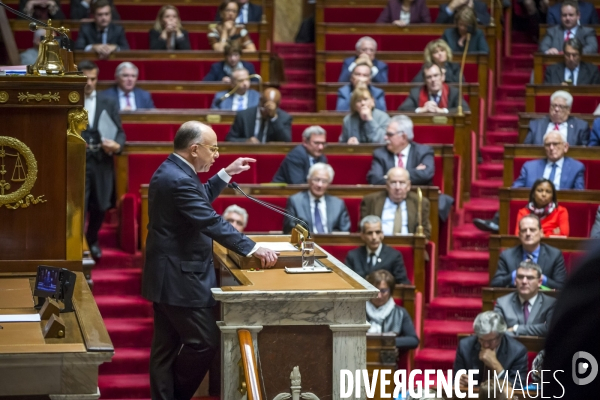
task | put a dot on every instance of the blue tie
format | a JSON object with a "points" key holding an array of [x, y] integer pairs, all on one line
{"points": [[239, 104], [552, 173], [318, 221]]}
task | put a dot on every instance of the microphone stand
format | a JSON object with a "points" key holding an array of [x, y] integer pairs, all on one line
{"points": [[461, 75], [237, 85]]}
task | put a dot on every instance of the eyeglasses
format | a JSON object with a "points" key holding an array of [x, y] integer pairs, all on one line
{"points": [[384, 291], [398, 183], [561, 107], [212, 149], [319, 180], [552, 144]]}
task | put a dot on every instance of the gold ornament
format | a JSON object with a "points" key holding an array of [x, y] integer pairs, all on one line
{"points": [[39, 97], [73, 97], [78, 121], [3, 97]]}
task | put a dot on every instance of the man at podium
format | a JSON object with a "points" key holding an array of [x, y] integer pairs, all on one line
{"points": [[179, 270]]}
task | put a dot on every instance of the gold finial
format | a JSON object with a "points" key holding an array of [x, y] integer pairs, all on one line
{"points": [[420, 231]]}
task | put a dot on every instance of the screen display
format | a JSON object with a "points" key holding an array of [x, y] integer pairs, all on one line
{"points": [[47, 282]]}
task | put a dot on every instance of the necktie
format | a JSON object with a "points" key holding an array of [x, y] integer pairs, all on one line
{"points": [[571, 78], [529, 257], [261, 130], [372, 260], [239, 103], [556, 127], [101, 36], [552, 173], [398, 220], [400, 162], [435, 98], [318, 221], [568, 35], [526, 311], [127, 102]]}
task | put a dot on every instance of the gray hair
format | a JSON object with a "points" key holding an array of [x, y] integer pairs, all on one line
{"points": [[240, 69], [37, 35], [187, 134], [564, 94], [234, 208], [404, 124], [312, 130], [562, 135], [321, 167], [362, 39], [123, 65], [399, 168], [531, 265], [369, 219], [489, 322]]}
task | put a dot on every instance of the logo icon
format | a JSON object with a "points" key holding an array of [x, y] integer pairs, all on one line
{"points": [[581, 367]]}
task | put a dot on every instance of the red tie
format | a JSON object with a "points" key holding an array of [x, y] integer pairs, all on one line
{"points": [[568, 35], [127, 100], [556, 128], [400, 163]]}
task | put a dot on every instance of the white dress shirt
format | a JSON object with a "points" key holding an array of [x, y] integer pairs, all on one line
{"points": [[573, 33], [123, 100], [242, 17], [90, 106], [322, 211], [237, 99], [389, 213], [557, 174], [377, 254], [563, 128], [404, 154]]}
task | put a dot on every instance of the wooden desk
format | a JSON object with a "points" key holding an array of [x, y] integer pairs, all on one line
{"points": [[585, 98]]}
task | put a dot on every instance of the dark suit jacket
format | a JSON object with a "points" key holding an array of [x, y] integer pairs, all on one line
{"points": [[179, 268], [382, 71], [477, 44], [157, 43], [411, 103], [295, 166], [588, 14], [79, 11], [89, 35], [555, 39], [452, 73], [383, 160], [389, 259], [98, 163], [244, 124], [345, 92], [571, 176], [298, 205], [480, 8], [372, 204], [595, 134], [254, 13], [227, 104], [588, 74], [217, 73], [578, 131], [509, 306], [143, 99], [419, 13], [511, 354], [550, 260]]}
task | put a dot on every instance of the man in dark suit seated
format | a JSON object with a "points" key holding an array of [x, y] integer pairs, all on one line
{"points": [[555, 37], [221, 71], [80, 9], [294, 167], [263, 123], [242, 99], [236, 216], [401, 151], [375, 254], [588, 14], [491, 351], [397, 206], [550, 259], [527, 311], [101, 36], [322, 212], [124, 92], [366, 47], [361, 75], [576, 131], [99, 167], [248, 13], [447, 11], [572, 71], [433, 97]]}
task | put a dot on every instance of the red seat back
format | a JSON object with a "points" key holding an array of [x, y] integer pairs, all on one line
{"points": [[347, 41], [581, 104], [259, 218]]}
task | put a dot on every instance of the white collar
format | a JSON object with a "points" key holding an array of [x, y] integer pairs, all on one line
{"points": [[91, 96], [121, 92], [377, 252], [187, 162], [559, 163], [313, 198], [531, 300]]}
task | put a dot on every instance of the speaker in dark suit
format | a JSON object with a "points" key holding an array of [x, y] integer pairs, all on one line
{"points": [[294, 167], [92, 34], [578, 130]]}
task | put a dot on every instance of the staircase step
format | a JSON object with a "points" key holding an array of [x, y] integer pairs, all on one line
{"points": [[298, 91], [468, 237], [299, 61], [293, 48], [114, 258], [500, 122], [521, 45], [498, 138], [122, 306], [133, 332], [518, 62], [464, 283], [516, 77], [131, 386], [454, 308], [299, 76], [435, 359], [294, 105], [510, 92], [127, 360], [108, 237], [480, 208], [444, 334], [492, 153], [486, 188], [464, 261], [509, 106], [117, 282], [490, 170]]}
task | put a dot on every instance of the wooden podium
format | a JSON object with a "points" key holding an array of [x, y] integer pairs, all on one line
{"points": [[42, 181], [316, 322]]}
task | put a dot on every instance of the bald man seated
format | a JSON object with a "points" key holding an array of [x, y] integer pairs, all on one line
{"points": [[263, 123]]}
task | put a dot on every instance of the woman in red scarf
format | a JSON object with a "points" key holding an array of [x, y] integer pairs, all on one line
{"points": [[543, 203]]}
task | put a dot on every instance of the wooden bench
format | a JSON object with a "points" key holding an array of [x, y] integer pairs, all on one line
{"points": [[525, 118], [585, 98], [541, 61]]}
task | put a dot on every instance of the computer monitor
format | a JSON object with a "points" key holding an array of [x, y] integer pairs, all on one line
{"points": [[47, 282]]}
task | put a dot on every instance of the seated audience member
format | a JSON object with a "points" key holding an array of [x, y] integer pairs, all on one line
{"points": [[80, 9], [434, 96], [447, 12], [376, 255], [228, 31], [572, 71], [405, 12], [587, 14], [555, 37], [366, 124], [294, 167], [248, 13], [595, 233], [366, 47], [544, 204], [595, 133], [124, 92], [385, 316], [397, 206], [361, 75], [466, 23], [490, 350], [101, 36], [29, 56], [167, 33], [438, 52], [263, 123], [242, 99], [42, 9], [236, 216], [577, 131], [401, 151], [327, 213], [527, 312], [550, 259], [222, 70]]}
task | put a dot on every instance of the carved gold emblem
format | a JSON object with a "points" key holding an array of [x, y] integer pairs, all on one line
{"points": [[78, 121], [73, 97], [12, 195], [3, 97], [39, 97]]}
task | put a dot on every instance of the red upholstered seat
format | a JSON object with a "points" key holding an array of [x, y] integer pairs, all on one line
{"points": [[581, 104], [592, 168], [347, 41], [361, 14], [148, 12], [397, 71], [260, 219], [182, 100], [150, 132], [333, 132]]}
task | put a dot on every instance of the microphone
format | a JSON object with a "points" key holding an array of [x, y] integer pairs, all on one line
{"points": [[461, 75], [272, 207], [232, 91]]}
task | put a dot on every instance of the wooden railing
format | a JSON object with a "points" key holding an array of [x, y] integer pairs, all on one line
{"points": [[251, 383]]}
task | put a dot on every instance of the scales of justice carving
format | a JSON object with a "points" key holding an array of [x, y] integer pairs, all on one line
{"points": [[13, 196], [296, 388]]}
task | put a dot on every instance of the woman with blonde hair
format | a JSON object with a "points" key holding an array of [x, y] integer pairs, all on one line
{"points": [[438, 52], [365, 124], [167, 33], [466, 23]]}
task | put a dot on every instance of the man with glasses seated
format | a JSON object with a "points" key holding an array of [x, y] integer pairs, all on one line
{"points": [[491, 351], [294, 167], [576, 131], [397, 206], [572, 71], [236, 216]]}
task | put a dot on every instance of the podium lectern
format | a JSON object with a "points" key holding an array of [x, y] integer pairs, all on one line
{"points": [[316, 322]]}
